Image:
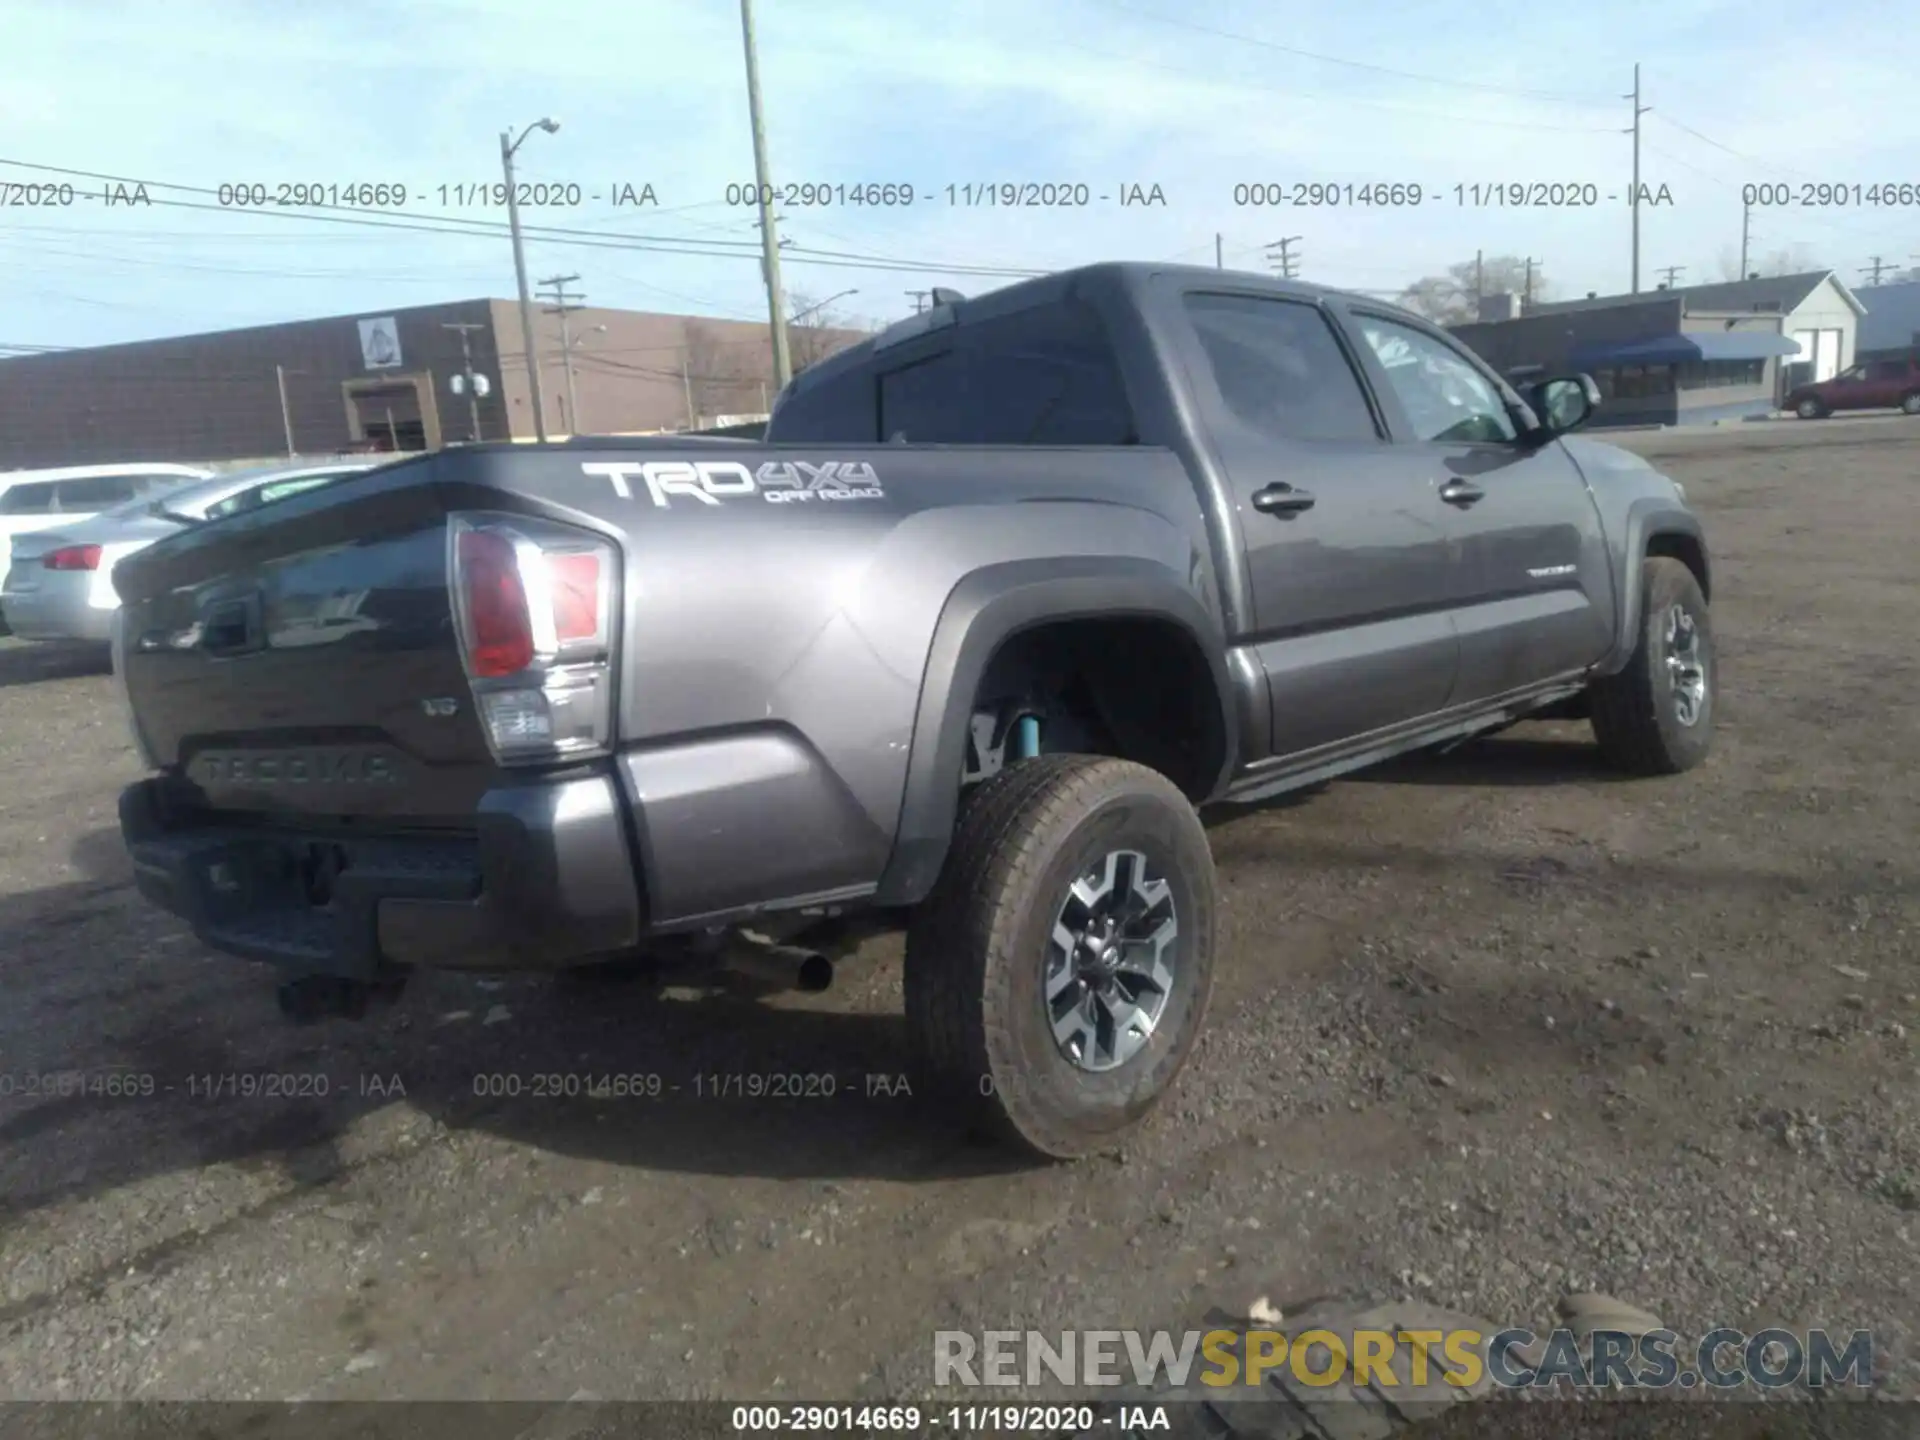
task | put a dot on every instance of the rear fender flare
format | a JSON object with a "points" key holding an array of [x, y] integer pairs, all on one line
{"points": [[986, 609]]}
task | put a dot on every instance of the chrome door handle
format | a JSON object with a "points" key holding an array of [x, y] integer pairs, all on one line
{"points": [[1459, 492], [1282, 499]]}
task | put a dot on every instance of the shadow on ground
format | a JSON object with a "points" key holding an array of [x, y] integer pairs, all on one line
{"points": [[1499, 762], [720, 1077], [24, 662]]}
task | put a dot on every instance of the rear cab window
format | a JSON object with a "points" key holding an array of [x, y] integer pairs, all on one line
{"points": [[266, 494], [1046, 375]]}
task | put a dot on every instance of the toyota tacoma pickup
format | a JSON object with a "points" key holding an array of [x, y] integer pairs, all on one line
{"points": [[1008, 592]]}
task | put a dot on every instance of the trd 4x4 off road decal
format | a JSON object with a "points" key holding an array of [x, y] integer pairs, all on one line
{"points": [[710, 482]]}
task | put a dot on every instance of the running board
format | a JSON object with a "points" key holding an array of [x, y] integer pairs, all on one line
{"points": [[1264, 785]]}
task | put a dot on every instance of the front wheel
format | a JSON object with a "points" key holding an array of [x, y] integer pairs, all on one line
{"points": [[1910, 403], [1810, 409], [1656, 716], [1059, 972]]}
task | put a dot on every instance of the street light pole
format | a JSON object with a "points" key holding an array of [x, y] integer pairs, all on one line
{"points": [[800, 315], [507, 147]]}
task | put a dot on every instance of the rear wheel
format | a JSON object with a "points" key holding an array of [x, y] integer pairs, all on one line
{"points": [[1059, 972], [1656, 716], [1810, 409], [1910, 403]]}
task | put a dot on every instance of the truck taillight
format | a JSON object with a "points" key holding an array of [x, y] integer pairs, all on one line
{"points": [[576, 595], [499, 629], [72, 557], [534, 602]]}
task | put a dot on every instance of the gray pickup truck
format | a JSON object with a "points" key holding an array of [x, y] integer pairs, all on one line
{"points": [[1007, 592]]}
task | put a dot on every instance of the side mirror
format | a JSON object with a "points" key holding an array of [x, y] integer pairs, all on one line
{"points": [[1564, 403]]}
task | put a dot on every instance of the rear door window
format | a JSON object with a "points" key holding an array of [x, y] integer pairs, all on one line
{"points": [[1280, 368]]}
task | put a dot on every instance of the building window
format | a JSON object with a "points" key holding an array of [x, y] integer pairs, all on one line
{"points": [[1715, 374]]}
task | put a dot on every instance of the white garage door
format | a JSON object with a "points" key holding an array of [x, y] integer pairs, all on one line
{"points": [[1826, 355]]}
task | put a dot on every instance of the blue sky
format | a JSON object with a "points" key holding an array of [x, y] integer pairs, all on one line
{"points": [[1195, 96]]}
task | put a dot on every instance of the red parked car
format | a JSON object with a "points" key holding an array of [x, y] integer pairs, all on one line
{"points": [[1872, 385]]}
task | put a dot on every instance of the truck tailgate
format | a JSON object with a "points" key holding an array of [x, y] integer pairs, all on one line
{"points": [[302, 660]]}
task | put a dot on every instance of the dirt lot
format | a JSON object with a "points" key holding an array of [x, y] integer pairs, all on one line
{"points": [[1491, 1027]]}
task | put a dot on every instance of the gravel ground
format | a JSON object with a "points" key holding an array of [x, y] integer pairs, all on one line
{"points": [[1491, 1027]]}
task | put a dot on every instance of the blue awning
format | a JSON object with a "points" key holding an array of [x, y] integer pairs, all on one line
{"points": [[1684, 349]]}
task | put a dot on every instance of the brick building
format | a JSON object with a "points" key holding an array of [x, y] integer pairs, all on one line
{"points": [[314, 386]]}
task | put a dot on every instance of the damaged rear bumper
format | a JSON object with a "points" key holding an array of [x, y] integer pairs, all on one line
{"points": [[545, 879]]}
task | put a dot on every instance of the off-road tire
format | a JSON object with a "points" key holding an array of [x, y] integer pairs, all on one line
{"points": [[976, 949], [1634, 717]]}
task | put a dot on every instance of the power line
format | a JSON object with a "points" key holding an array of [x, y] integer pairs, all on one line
{"points": [[1807, 215], [563, 307], [1876, 267], [1285, 260], [403, 220], [1348, 102], [1349, 64]]}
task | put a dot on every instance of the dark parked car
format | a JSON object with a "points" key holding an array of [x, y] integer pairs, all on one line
{"points": [[1006, 594], [1870, 385]]}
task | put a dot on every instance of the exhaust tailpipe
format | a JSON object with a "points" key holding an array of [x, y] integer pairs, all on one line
{"points": [[790, 967]]}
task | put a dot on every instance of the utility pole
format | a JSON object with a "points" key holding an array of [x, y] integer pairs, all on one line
{"points": [[919, 298], [1671, 271], [1746, 234], [1479, 280], [558, 284], [686, 390], [1219, 253], [286, 411], [507, 146], [1526, 293], [1634, 198], [769, 242], [1876, 269], [1285, 259], [466, 369]]}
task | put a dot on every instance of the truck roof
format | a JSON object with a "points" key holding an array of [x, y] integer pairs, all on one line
{"points": [[1121, 275]]}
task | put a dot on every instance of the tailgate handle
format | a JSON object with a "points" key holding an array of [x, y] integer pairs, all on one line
{"points": [[231, 627]]}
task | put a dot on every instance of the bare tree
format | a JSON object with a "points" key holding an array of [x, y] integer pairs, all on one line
{"points": [[1789, 260], [817, 331], [1453, 298]]}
